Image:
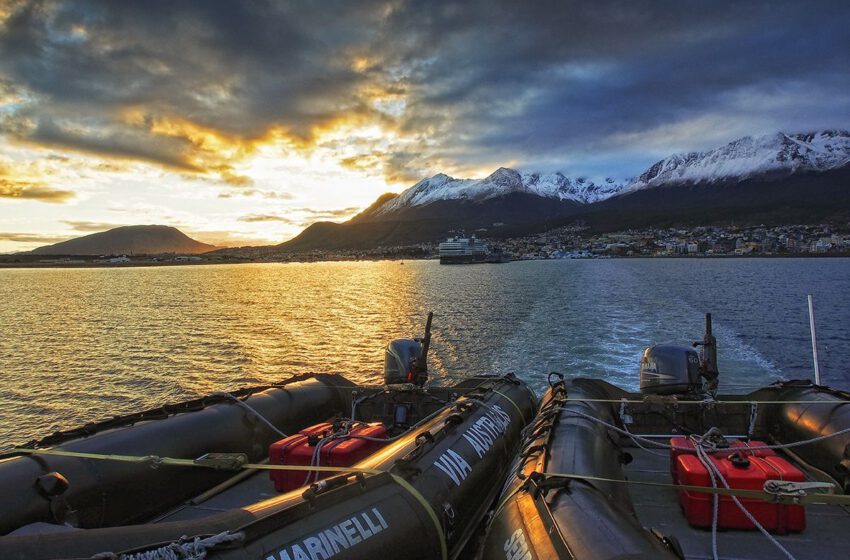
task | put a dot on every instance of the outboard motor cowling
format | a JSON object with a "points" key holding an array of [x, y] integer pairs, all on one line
{"points": [[400, 358], [670, 370], [406, 359]]}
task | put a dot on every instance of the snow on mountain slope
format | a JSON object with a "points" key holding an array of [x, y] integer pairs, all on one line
{"points": [[556, 185], [740, 159], [501, 182], [748, 156]]}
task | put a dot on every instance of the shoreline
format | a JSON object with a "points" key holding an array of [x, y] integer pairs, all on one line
{"points": [[153, 264]]}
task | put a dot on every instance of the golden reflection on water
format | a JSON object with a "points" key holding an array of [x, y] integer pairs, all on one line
{"points": [[112, 340]]}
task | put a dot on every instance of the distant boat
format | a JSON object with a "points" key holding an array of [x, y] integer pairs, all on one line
{"points": [[468, 250]]}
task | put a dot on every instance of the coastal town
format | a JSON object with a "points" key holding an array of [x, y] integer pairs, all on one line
{"points": [[570, 242], [577, 241], [580, 242]]}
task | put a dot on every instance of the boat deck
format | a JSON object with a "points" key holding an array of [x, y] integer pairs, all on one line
{"points": [[827, 534], [255, 488]]}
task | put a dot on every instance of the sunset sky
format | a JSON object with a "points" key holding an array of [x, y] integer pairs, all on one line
{"points": [[243, 122]]}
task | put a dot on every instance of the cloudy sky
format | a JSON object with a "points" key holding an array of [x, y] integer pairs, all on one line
{"points": [[242, 122]]}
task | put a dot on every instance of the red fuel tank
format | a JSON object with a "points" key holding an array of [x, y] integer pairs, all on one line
{"points": [[748, 474], [734, 445], [336, 451]]}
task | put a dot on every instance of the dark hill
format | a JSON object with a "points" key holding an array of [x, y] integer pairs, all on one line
{"points": [[369, 212], [331, 236], [512, 214], [129, 240]]}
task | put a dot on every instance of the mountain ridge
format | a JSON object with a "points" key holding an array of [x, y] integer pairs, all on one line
{"points": [[781, 176], [776, 154], [501, 182], [742, 158]]}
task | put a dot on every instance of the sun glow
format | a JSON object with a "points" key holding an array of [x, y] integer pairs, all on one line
{"points": [[243, 192], [224, 189]]}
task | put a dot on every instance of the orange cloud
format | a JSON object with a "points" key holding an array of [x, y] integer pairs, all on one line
{"points": [[25, 190]]}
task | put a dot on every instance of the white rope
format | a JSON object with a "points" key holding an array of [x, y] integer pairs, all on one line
{"points": [[636, 442], [343, 433], [354, 403], [712, 467], [247, 406], [183, 549], [799, 443], [715, 501], [680, 448]]}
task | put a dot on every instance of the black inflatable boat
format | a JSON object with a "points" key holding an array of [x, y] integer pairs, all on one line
{"points": [[668, 472], [195, 480]]}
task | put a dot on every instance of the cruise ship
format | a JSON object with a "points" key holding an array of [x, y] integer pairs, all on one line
{"points": [[467, 250]]}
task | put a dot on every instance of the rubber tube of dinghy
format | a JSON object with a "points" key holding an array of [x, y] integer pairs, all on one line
{"points": [[104, 493], [584, 520], [457, 469]]}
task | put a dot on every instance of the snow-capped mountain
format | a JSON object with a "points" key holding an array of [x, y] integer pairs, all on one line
{"points": [[501, 182], [779, 178], [747, 157], [777, 154], [557, 185]]}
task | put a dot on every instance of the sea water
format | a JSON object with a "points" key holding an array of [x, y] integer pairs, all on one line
{"points": [[78, 345]]}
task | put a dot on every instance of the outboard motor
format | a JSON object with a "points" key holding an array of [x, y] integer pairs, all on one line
{"points": [[670, 370], [405, 359], [667, 369]]}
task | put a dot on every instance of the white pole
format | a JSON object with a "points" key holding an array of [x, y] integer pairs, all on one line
{"points": [[814, 339]]}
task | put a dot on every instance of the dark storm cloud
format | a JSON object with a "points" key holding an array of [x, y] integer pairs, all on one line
{"points": [[108, 141], [541, 80], [235, 66], [237, 69], [481, 82]]}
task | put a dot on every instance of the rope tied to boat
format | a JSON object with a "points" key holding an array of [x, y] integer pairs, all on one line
{"points": [[183, 549], [773, 492], [714, 471], [252, 410], [659, 444]]}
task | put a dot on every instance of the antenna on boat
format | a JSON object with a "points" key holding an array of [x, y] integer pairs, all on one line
{"points": [[708, 367], [421, 363], [814, 338]]}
